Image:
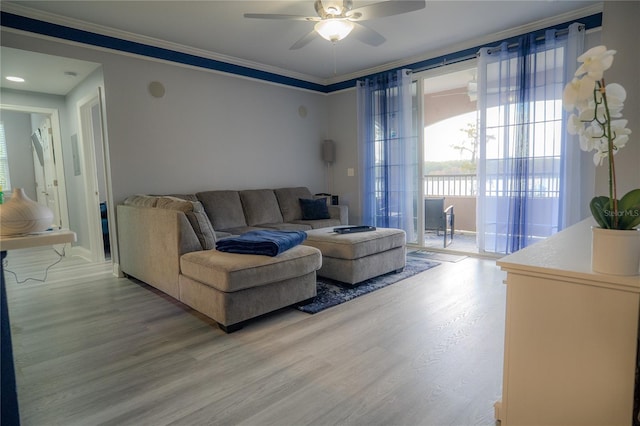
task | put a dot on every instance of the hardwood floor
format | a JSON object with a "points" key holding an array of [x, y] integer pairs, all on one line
{"points": [[94, 349]]}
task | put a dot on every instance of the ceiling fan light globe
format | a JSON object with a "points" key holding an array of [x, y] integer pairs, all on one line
{"points": [[334, 29]]}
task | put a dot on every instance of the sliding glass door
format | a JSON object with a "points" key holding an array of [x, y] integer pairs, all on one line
{"points": [[447, 117], [389, 156]]}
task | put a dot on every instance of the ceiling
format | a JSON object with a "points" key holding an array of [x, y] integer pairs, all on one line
{"points": [[218, 30], [42, 73]]}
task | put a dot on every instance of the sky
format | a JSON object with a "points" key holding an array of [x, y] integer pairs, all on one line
{"points": [[440, 136]]}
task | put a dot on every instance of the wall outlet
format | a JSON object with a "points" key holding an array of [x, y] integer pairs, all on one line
{"points": [[351, 171]]}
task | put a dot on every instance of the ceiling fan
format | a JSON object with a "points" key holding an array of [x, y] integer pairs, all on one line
{"points": [[337, 19]]}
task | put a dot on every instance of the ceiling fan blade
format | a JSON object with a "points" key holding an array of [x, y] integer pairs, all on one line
{"points": [[278, 16], [306, 39], [385, 8], [347, 5], [367, 35]]}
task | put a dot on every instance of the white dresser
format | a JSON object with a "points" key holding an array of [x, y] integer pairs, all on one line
{"points": [[570, 337]]}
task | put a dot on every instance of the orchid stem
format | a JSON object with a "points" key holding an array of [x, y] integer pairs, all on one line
{"points": [[613, 196]]}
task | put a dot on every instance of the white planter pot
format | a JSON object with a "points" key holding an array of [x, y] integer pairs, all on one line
{"points": [[22, 215], [615, 252]]}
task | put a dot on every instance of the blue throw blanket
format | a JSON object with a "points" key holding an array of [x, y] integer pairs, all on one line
{"points": [[268, 243]]}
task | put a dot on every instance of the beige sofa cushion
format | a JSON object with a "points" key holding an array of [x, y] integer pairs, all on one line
{"points": [[357, 245], [223, 208], [260, 206], [319, 223], [194, 211], [141, 201], [287, 226], [230, 272], [289, 200]]}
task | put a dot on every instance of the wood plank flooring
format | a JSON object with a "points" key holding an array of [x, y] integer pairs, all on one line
{"points": [[93, 349]]}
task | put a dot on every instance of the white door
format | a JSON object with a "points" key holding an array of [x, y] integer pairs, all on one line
{"points": [[38, 168], [46, 175], [91, 135]]}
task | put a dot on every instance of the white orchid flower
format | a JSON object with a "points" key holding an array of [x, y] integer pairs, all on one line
{"points": [[599, 127], [578, 92], [616, 95], [599, 156], [590, 137], [587, 113], [575, 126], [587, 143], [595, 62], [620, 133], [620, 141]]}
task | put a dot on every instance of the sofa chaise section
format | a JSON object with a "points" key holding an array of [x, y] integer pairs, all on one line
{"points": [[151, 241], [233, 288], [155, 235]]}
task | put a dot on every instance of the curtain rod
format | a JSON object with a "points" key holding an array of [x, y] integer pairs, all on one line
{"points": [[559, 33], [446, 61]]}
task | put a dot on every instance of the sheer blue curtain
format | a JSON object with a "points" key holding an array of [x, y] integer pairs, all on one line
{"points": [[388, 151], [526, 171]]}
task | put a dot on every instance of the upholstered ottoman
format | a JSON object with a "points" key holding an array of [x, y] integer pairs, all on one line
{"points": [[232, 288], [352, 258]]}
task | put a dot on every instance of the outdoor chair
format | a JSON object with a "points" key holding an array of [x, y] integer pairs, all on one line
{"points": [[438, 218]]}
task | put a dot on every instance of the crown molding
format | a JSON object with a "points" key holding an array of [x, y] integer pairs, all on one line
{"points": [[481, 41], [338, 82], [52, 18]]}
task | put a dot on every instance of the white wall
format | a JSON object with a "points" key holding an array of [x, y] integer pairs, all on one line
{"points": [[17, 127], [342, 108], [209, 131], [620, 32]]}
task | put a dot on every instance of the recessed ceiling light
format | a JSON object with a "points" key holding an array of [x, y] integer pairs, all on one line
{"points": [[16, 79]]}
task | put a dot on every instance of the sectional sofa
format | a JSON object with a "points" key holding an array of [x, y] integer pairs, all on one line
{"points": [[168, 242]]}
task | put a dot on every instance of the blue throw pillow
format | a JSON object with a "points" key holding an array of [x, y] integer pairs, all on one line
{"points": [[314, 209]]}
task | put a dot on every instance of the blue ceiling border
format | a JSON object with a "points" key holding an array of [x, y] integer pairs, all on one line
{"points": [[18, 22], [591, 21], [23, 23]]}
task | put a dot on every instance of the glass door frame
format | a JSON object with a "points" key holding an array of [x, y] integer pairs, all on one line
{"points": [[418, 106]]}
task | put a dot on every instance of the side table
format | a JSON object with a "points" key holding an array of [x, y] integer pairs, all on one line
{"points": [[9, 412]]}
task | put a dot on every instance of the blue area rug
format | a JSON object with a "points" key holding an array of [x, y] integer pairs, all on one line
{"points": [[332, 293]]}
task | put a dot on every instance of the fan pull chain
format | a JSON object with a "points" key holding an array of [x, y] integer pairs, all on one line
{"points": [[335, 66]]}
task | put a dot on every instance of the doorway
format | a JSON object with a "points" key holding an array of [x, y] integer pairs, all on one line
{"points": [[44, 161], [59, 92], [91, 147], [449, 153], [47, 184]]}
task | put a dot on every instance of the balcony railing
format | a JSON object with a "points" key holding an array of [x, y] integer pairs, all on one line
{"points": [[451, 185], [538, 185]]}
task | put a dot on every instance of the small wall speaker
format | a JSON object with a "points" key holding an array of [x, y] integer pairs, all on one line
{"points": [[328, 151], [156, 89]]}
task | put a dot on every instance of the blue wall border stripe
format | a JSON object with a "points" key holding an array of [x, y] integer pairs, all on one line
{"points": [[18, 22], [72, 34], [592, 21]]}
